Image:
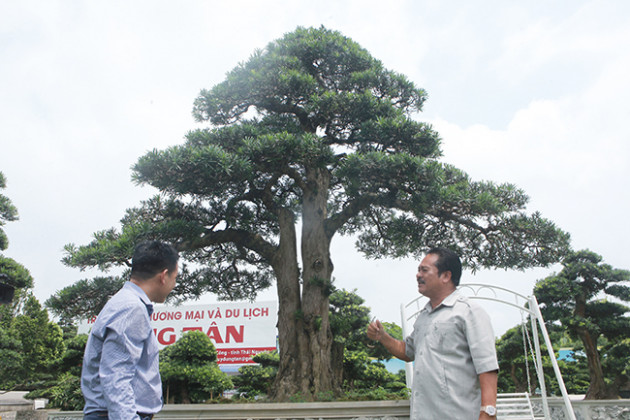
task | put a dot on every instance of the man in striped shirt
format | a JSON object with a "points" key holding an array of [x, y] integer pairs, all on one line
{"points": [[120, 379]]}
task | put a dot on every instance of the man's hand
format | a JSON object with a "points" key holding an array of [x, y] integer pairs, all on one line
{"points": [[375, 330]]}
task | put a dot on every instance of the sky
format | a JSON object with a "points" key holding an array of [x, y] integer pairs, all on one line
{"points": [[530, 93]]}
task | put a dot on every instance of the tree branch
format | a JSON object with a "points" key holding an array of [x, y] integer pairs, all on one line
{"points": [[350, 210], [249, 240]]}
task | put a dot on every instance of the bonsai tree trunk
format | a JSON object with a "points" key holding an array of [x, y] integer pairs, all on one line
{"points": [[304, 330], [598, 389]]}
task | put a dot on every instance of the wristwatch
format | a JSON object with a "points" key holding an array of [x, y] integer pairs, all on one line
{"points": [[489, 410]]}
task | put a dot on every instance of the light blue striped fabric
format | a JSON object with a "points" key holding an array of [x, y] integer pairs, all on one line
{"points": [[121, 362]]}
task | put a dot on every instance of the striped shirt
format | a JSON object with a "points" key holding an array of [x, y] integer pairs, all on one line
{"points": [[121, 363]]}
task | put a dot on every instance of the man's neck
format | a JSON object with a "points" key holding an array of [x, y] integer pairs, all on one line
{"points": [[437, 301], [145, 286]]}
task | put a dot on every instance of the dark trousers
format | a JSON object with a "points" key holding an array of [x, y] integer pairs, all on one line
{"points": [[102, 415]]}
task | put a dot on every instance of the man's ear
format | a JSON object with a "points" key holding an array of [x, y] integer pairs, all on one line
{"points": [[447, 276], [162, 275]]}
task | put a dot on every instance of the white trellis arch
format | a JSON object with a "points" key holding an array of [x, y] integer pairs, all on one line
{"points": [[527, 305]]}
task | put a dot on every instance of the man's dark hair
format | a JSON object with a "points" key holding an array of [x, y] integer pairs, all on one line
{"points": [[448, 261], [151, 257]]}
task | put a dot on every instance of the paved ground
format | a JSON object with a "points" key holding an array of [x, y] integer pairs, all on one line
{"points": [[14, 397]]}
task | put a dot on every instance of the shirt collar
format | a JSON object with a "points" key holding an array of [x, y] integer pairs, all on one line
{"points": [[136, 290], [448, 301]]}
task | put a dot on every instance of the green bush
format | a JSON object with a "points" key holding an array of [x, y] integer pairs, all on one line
{"points": [[189, 370]]}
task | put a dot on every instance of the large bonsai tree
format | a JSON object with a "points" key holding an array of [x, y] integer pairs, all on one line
{"points": [[313, 133]]}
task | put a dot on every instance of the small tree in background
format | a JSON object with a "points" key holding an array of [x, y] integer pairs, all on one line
{"points": [[586, 298], [189, 370], [256, 380], [353, 353]]}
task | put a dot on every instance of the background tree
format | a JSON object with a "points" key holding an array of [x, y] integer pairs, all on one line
{"points": [[517, 371], [255, 380], [586, 298], [13, 275], [352, 351], [348, 318], [314, 130], [85, 298], [189, 370], [616, 365], [30, 345], [63, 391], [11, 357]]}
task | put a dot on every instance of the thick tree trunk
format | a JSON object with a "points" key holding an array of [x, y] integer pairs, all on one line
{"points": [[316, 279], [336, 352], [598, 389], [303, 327], [519, 385], [287, 273]]}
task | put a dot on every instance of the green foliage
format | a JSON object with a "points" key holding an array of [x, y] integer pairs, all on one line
{"points": [[574, 373], [256, 380], [84, 299], [189, 370], [65, 394], [517, 371], [378, 393], [8, 213], [348, 318], [363, 373], [12, 273], [72, 359], [616, 363], [63, 389], [11, 358], [348, 322], [30, 346], [360, 371]]}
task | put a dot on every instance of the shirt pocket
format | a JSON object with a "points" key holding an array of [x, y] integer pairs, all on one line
{"points": [[444, 337]]}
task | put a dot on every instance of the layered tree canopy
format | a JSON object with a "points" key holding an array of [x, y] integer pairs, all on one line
{"points": [[313, 132], [589, 298]]}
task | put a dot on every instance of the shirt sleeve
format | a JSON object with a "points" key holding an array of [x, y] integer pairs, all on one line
{"points": [[122, 348], [480, 338], [410, 348]]}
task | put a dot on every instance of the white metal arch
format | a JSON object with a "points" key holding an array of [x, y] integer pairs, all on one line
{"points": [[525, 304]]}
